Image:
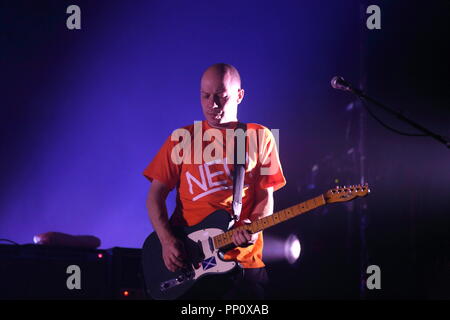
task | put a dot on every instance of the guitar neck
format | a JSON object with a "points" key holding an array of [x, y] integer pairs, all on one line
{"points": [[226, 239]]}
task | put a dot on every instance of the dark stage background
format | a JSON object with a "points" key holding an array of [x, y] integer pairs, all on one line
{"points": [[83, 112]]}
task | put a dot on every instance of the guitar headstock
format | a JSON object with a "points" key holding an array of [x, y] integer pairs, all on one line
{"points": [[346, 193]]}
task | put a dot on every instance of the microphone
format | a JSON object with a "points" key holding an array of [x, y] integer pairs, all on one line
{"points": [[340, 84]]}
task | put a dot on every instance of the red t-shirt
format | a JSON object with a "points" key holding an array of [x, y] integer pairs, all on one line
{"points": [[204, 185]]}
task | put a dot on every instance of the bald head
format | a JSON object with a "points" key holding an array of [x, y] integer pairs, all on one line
{"points": [[223, 71], [220, 94]]}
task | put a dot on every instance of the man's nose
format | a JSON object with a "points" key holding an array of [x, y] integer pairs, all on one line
{"points": [[215, 103]]}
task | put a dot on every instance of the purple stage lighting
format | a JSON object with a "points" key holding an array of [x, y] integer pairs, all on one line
{"points": [[292, 249], [281, 249]]}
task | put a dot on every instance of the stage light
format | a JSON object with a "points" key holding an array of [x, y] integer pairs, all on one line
{"points": [[36, 239], [126, 293], [292, 249], [100, 255], [278, 249]]}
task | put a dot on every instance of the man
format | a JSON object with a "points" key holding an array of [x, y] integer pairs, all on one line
{"points": [[204, 188]]}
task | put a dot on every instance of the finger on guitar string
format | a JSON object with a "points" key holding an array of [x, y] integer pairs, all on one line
{"points": [[243, 238]]}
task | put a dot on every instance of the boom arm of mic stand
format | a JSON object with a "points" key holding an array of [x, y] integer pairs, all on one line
{"points": [[401, 117]]}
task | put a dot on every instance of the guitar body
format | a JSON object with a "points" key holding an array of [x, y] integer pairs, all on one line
{"points": [[198, 241], [161, 283]]}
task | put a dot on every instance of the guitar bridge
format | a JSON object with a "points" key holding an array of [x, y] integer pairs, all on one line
{"points": [[183, 277]]}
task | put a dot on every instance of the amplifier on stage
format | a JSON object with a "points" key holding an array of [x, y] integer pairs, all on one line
{"points": [[54, 272], [126, 273], [50, 272]]}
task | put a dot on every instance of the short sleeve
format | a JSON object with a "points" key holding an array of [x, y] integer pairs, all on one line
{"points": [[271, 172], [162, 168]]}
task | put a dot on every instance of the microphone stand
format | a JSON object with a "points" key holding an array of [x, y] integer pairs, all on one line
{"points": [[400, 116]]}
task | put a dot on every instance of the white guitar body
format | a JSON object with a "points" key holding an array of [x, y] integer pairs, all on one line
{"points": [[213, 261], [205, 258]]}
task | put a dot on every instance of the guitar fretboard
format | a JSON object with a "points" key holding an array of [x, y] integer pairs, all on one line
{"points": [[225, 239]]}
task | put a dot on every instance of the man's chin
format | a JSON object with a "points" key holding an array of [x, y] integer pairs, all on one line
{"points": [[220, 123], [214, 122]]}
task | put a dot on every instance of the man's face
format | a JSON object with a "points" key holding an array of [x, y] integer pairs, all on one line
{"points": [[220, 96]]}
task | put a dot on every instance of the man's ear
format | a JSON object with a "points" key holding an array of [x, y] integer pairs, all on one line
{"points": [[241, 93]]}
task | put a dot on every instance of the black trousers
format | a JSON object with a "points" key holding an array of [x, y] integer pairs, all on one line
{"points": [[241, 284]]}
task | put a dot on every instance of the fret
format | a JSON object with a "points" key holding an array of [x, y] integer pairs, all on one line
{"points": [[305, 205], [302, 207], [271, 220], [276, 218], [297, 210], [226, 238], [281, 215]]}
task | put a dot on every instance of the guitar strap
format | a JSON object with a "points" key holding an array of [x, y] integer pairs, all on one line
{"points": [[238, 172]]}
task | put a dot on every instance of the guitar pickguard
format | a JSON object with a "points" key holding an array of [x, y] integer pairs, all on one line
{"points": [[211, 262], [202, 258]]}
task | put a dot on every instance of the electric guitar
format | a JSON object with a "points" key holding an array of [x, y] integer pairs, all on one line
{"points": [[206, 242]]}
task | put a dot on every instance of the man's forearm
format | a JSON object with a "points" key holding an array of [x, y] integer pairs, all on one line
{"points": [[157, 211]]}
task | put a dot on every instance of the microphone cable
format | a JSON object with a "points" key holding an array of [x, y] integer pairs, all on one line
{"points": [[364, 103]]}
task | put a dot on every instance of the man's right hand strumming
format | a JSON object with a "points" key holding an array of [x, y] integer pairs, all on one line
{"points": [[174, 254], [173, 250]]}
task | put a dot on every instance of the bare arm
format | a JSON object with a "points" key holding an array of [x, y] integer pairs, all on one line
{"points": [[172, 248], [157, 210]]}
